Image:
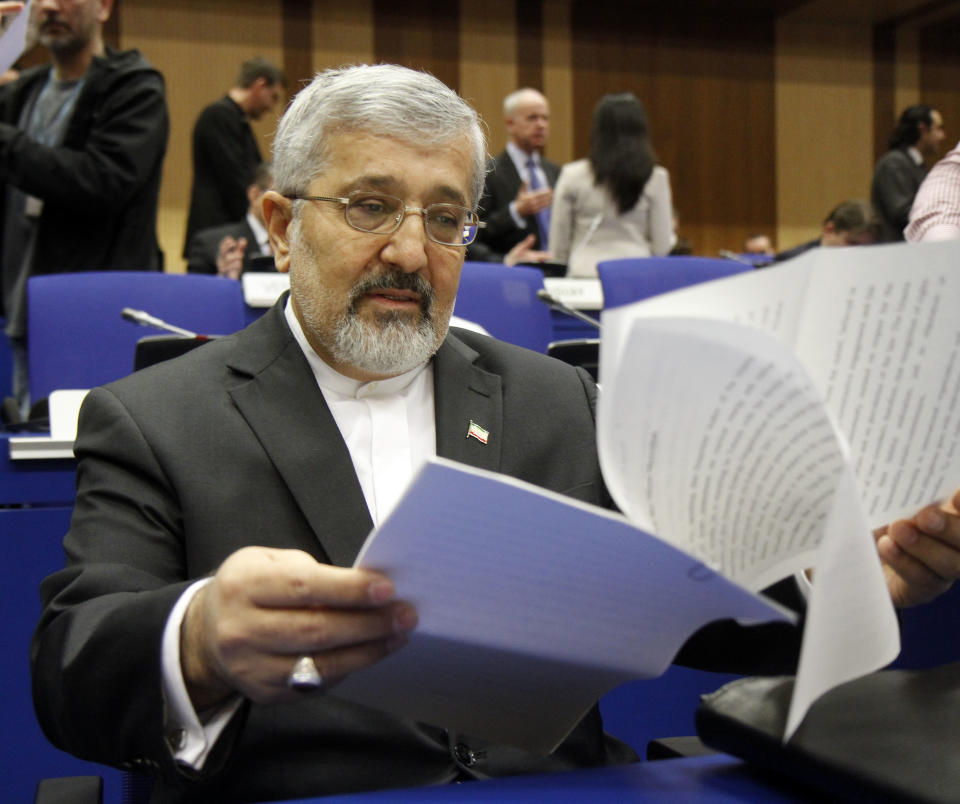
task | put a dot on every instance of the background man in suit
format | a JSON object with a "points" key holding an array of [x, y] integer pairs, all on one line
{"points": [[227, 250], [900, 171], [225, 150], [517, 194], [851, 223], [82, 142], [224, 495]]}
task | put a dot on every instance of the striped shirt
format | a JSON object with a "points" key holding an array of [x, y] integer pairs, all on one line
{"points": [[935, 214]]}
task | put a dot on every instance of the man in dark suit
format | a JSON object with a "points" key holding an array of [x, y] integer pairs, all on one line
{"points": [[225, 150], [901, 170], [222, 497], [518, 190], [850, 223], [229, 249]]}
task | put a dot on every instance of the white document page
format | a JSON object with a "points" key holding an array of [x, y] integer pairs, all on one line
{"points": [[14, 38], [531, 606], [735, 459], [725, 446], [875, 328]]}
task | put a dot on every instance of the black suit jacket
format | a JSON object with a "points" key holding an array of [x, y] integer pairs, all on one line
{"points": [[896, 180], [205, 245], [502, 184], [225, 156], [233, 445]]}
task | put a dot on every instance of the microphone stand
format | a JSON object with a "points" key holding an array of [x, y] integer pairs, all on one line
{"points": [[146, 320], [555, 304]]}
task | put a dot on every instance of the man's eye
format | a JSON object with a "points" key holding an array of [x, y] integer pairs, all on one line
{"points": [[446, 219], [371, 206]]}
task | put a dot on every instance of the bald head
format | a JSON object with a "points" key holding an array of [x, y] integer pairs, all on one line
{"points": [[526, 113]]}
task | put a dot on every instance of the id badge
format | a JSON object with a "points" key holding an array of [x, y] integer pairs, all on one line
{"points": [[33, 207]]}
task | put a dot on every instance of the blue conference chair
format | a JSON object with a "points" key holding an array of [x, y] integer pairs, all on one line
{"points": [[503, 300], [76, 337], [632, 279]]}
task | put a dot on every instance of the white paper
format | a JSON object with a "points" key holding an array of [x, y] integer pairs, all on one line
{"points": [[758, 461], [14, 39], [531, 606]]}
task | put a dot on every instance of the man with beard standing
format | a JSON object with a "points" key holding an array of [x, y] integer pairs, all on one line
{"points": [[223, 496], [82, 142], [225, 152]]}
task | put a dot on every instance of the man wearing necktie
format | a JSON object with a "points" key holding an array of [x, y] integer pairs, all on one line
{"points": [[518, 190]]}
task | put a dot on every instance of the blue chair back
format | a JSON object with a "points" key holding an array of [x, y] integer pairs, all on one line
{"points": [[629, 280], [503, 300], [76, 337]]}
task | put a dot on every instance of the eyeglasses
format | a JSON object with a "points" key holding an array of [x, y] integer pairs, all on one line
{"points": [[374, 213]]}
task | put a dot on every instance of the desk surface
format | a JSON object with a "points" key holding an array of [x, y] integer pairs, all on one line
{"points": [[718, 779], [35, 482]]}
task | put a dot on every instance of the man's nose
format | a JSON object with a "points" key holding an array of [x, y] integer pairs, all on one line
{"points": [[407, 247]]}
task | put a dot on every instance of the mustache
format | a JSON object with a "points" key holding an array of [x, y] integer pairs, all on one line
{"points": [[396, 280]]}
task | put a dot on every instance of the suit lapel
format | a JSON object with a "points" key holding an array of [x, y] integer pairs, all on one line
{"points": [[464, 393], [279, 398]]}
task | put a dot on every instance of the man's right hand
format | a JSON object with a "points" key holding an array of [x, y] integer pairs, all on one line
{"points": [[230, 257], [530, 202], [265, 607]]}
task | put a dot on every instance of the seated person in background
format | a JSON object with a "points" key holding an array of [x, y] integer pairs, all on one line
{"points": [[522, 252], [935, 214], [758, 244], [616, 203], [852, 223], [227, 250], [223, 496]]}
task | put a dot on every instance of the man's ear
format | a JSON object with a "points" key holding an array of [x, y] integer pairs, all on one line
{"points": [[278, 218]]}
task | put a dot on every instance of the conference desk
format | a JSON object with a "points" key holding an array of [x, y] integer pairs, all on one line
{"points": [[36, 500], [716, 778]]}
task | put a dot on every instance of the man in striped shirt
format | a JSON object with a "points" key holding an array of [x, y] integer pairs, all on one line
{"points": [[935, 214]]}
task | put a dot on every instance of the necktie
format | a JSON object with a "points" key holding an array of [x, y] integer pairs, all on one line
{"points": [[543, 216]]}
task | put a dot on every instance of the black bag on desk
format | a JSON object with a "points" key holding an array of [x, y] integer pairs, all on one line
{"points": [[890, 736]]}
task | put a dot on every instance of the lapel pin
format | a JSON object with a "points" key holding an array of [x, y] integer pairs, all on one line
{"points": [[477, 432]]}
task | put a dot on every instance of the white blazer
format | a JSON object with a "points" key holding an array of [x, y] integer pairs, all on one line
{"points": [[585, 227]]}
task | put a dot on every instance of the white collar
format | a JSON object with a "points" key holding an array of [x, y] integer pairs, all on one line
{"points": [[331, 380]]}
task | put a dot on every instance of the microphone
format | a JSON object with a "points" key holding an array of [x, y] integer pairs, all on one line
{"points": [[729, 255], [559, 306], [146, 320]]}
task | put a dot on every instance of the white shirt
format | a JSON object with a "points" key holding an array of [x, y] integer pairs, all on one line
{"points": [[390, 431], [260, 232]]}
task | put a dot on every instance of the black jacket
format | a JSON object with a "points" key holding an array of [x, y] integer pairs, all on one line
{"points": [[225, 155], [100, 187]]}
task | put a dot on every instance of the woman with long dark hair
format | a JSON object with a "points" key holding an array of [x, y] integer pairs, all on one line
{"points": [[616, 203]]}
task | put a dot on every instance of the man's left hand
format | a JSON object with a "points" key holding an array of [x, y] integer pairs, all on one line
{"points": [[921, 555]]}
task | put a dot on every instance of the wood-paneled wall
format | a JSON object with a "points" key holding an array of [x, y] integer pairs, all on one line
{"points": [[766, 112]]}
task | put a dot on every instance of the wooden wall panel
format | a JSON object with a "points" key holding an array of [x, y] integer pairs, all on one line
{"points": [[424, 34], [342, 33], [558, 79], [940, 72], [488, 68], [825, 128], [707, 84], [199, 46]]}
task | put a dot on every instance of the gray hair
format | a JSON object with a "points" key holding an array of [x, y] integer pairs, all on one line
{"points": [[384, 100], [516, 99]]}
